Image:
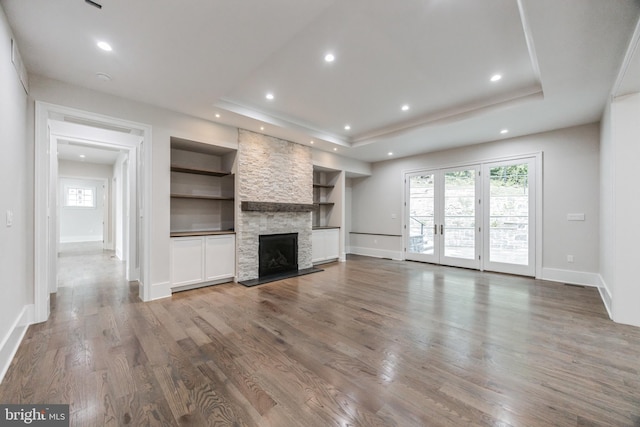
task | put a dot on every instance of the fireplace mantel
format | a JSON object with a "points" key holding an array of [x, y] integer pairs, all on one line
{"points": [[276, 207]]}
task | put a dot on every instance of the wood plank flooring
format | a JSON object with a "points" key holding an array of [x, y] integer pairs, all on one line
{"points": [[368, 342]]}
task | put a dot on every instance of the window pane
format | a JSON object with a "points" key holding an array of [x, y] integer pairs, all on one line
{"points": [[421, 214], [460, 214], [509, 214]]}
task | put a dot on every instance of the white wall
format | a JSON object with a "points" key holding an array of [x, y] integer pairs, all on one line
{"points": [[16, 196], [570, 181], [81, 224], [165, 124], [621, 204]]}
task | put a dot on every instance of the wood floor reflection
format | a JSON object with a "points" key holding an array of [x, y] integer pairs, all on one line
{"points": [[368, 342]]}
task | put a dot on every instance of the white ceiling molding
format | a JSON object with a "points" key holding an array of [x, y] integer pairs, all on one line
{"points": [[628, 80]]}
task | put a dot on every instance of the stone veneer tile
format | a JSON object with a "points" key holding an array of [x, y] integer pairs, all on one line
{"points": [[271, 170]]}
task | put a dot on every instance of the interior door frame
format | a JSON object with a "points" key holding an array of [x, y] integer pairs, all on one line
{"points": [[539, 161], [45, 175]]}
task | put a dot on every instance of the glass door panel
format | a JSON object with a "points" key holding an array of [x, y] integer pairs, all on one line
{"points": [[509, 229], [460, 217], [420, 221]]}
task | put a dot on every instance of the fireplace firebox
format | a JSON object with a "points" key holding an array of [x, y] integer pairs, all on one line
{"points": [[277, 254]]}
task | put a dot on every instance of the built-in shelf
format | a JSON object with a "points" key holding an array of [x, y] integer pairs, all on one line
{"points": [[200, 197], [202, 188], [322, 186], [324, 203], [198, 171]]}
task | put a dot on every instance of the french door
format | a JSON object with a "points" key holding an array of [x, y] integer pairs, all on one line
{"points": [[478, 216], [442, 217], [509, 238]]}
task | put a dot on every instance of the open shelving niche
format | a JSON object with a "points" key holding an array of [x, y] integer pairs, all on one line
{"points": [[202, 188], [202, 214], [327, 215]]}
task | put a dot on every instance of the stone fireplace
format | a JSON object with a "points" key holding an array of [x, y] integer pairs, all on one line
{"points": [[274, 196]]}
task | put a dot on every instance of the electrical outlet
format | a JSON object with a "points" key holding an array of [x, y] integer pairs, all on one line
{"points": [[394, 216], [569, 258]]}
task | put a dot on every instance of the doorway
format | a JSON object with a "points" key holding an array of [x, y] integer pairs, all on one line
{"points": [[480, 216], [54, 123]]}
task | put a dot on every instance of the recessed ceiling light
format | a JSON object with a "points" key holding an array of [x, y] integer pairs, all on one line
{"points": [[405, 107], [335, 149], [390, 153], [329, 57], [82, 156], [217, 115], [310, 142], [261, 127], [347, 127], [496, 77], [503, 131], [105, 46], [269, 96]]}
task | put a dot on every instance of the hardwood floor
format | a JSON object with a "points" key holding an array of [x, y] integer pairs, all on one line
{"points": [[368, 342]]}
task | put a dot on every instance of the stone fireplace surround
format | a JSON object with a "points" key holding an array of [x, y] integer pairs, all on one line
{"points": [[272, 172]]}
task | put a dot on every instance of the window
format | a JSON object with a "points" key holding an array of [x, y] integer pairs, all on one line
{"points": [[80, 197]]}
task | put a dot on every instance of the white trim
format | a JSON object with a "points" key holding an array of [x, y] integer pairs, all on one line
{"points": [[571, 277], [537, 156], [377, 253], [80, 239], [230, 279], [605, 295], [629, 55], [44, 256], [12, 340], [159, 291]]}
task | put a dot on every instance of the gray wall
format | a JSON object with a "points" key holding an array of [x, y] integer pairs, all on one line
{"points": [[570, 185]]}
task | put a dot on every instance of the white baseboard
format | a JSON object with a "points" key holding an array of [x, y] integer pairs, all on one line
{"points": [[80, 239], [571, 277], [160, 290], [376, 253], [202, 284], [605, 295], [14, 337]]}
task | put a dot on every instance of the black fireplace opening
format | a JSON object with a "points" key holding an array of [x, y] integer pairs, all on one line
{"points": [[278, 254]]}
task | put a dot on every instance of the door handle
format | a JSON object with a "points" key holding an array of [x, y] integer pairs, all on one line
{"points": [[435, 229], [441, 229]]}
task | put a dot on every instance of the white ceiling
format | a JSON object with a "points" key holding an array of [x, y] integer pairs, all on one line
{"points": [[559, 60], [87, 153]]}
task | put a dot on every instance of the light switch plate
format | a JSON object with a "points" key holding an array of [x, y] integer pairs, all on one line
{"points": [[9, 218]]}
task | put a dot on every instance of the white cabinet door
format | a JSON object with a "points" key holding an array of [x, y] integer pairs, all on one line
{"points": [[325, 245], [317, 246], [332, 243], [220, 257], [187, 260]]}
